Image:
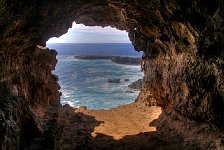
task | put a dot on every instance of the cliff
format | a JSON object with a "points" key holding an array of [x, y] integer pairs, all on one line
{"points": [[182, 63]]}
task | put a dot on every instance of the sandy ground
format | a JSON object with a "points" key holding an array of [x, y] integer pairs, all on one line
{"points": [[125, 120], [124, 127], [129, 127]]}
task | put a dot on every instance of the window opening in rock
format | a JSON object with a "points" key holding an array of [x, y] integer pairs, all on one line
{"points": [[96, 67]]}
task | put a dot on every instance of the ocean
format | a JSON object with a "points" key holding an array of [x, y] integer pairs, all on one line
{"points": [[85, 82]]}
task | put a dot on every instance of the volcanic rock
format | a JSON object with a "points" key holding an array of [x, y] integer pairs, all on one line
{"points": [[115, 59], [136, 85], [113, 80]]}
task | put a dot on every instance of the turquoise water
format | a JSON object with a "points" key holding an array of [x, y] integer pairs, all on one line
{"points": [[84, 82]]}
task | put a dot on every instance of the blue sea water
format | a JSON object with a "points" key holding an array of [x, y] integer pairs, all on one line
{"points": [[84, 82]]}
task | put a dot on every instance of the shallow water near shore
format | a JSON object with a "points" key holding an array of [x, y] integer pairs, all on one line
{"points": [[85, 82]]}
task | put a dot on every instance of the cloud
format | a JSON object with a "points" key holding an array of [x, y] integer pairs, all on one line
{"points": [[95, 29], [84, 34]]}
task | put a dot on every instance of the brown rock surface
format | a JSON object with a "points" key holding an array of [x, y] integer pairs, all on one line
{"points": [[133, 126]]}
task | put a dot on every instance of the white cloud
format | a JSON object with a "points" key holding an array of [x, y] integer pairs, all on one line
{"points": [[85, 34], [96, 29]]}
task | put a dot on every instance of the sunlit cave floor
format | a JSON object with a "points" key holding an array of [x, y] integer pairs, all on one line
{"points": [[124, 127], [134, 127], [122, 121]]}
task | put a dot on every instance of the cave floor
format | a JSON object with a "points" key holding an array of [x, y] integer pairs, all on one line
{"points": [[131, 126]]}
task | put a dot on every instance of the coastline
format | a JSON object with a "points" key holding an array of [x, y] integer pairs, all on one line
{"points": [[125, 60]]}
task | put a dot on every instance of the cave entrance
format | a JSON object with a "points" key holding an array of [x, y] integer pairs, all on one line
{"points": [[94, 67]]}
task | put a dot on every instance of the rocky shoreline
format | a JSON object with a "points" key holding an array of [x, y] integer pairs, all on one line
{"points": [[115, 59], [136, 84]]}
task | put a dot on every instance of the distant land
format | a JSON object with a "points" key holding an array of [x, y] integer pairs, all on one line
{"points": [[106, 49], [115, 59]]}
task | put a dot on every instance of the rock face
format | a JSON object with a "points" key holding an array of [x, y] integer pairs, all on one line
{"points": [[183, 64], [17, 124]]}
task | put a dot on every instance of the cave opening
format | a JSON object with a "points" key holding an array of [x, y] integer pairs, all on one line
{"points": [[97, 67], [105, 76]]}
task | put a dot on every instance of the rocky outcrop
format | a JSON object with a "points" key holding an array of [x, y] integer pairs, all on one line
{"points": [[113, 80], [136, 84], [116, 59], [182, 62], [126, 60], [26, 97]]}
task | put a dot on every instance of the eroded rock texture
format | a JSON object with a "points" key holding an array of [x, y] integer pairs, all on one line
{"points": [[182, 41]]}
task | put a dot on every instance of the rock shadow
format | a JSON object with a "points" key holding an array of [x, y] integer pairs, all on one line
{"points": [[75, 133]]}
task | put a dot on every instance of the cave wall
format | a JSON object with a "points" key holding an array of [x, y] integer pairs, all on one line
{"points": [[182, 42]]}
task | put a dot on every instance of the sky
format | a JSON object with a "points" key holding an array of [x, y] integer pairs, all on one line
{"points": [[85, 34]]}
